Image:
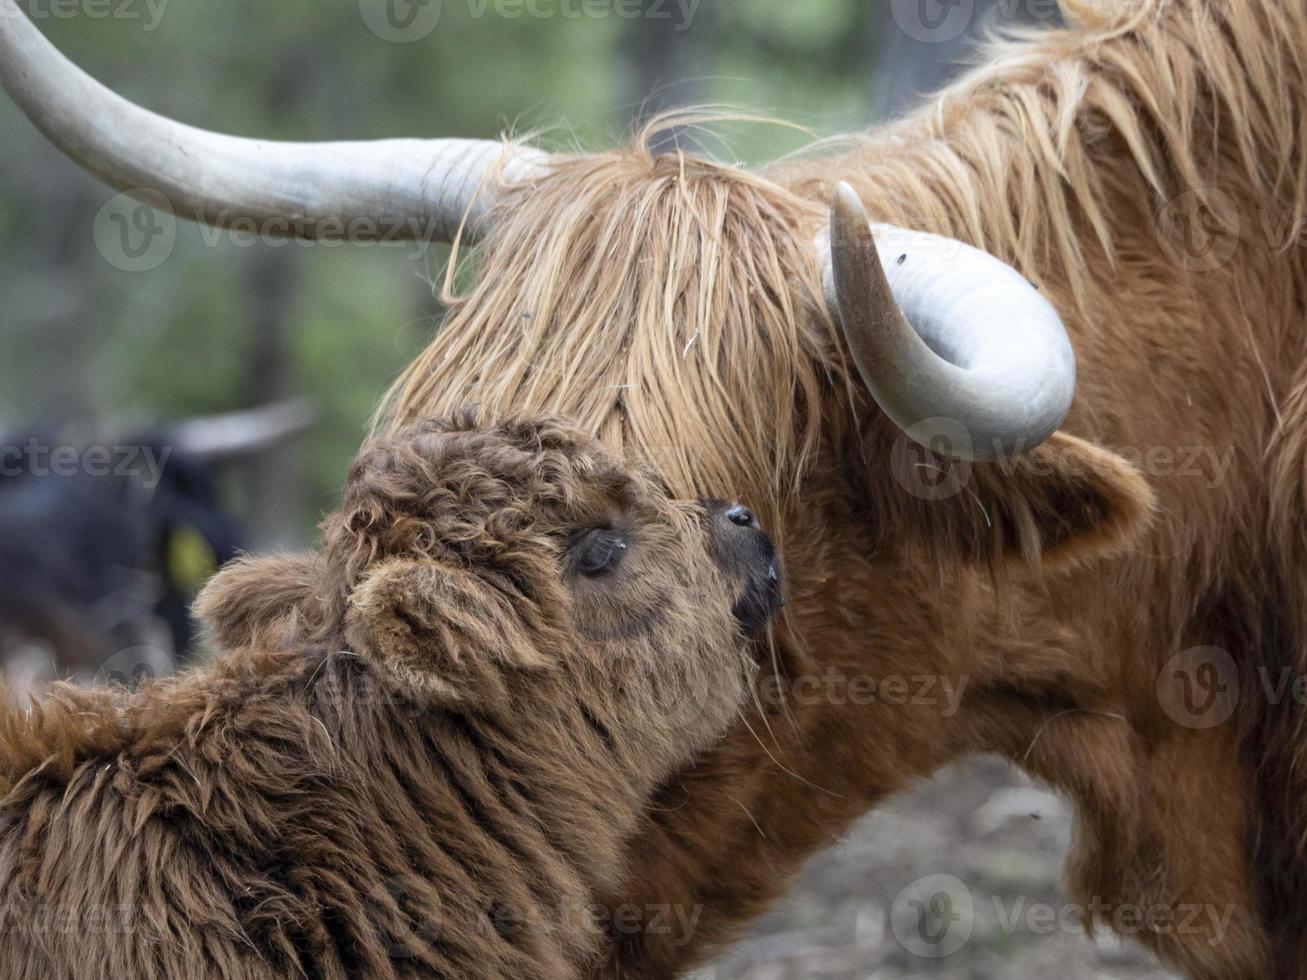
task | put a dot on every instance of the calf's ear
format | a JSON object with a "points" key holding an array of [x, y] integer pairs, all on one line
{"points": [[269, 602], [442, 629], [1064, 503]]}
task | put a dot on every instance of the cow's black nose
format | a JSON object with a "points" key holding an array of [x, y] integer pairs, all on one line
{"points": [[741, 515]]}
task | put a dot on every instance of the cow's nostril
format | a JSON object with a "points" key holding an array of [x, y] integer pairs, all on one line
{"points": [[741, 515]]}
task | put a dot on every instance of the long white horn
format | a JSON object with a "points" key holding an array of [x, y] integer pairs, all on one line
{"points": [[255, 430], [366, 191], [957, 348]]}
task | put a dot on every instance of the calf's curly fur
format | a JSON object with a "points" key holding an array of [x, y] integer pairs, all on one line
{"points": [[421, 755]]}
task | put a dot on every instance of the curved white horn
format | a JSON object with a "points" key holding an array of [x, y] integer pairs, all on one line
{"points": [[255, 430], [367, 191], [957, 348]]}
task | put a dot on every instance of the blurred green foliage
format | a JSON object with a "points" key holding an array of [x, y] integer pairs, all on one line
{"points": [[81, 337]]}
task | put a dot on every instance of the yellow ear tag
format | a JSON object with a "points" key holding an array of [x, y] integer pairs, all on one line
{"points": [[190, 560]]}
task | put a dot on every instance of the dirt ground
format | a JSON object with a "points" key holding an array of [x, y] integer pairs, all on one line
{"points": [[958, 879]]}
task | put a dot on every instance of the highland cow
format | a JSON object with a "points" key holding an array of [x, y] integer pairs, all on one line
{"points": [[1084, 539], [425, 748]]}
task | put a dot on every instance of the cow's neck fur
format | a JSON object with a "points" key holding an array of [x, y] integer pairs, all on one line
{"points": [[1179, 351]]}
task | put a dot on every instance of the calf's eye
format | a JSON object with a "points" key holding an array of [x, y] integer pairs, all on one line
{"points": [[600, 551]]}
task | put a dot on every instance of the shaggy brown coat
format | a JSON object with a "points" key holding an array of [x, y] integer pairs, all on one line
{"points": [[424, 755], [1146, 168]]}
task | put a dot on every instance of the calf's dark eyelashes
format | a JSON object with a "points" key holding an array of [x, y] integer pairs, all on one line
{"points": [[599, 551]]}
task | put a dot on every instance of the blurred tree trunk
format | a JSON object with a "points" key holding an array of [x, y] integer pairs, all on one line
{"points": [[918, 46], [276, 478], [276, 486], [667, 62]]}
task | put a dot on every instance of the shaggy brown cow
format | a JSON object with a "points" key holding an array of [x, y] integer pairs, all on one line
{"points": [[537, 638], [1122, 605]]}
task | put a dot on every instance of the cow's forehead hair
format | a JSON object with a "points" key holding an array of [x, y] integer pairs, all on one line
{"points": [[665, 303]]}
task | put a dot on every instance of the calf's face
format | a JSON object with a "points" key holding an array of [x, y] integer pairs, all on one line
{"points": [[485, 562], [493, 565]]}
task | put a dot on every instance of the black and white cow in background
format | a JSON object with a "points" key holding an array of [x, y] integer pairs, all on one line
{"points": [[103, 543]]}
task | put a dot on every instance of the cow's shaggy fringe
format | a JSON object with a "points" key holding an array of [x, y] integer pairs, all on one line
{"points": [[670, 303], [648, 293]]}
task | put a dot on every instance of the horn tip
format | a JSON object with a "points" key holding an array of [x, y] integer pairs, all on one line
{"points": [[847, 212], [846, 199], [848, 218]]}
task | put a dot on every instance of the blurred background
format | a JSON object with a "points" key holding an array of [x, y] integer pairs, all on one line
{"points": [[127, 335]]}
